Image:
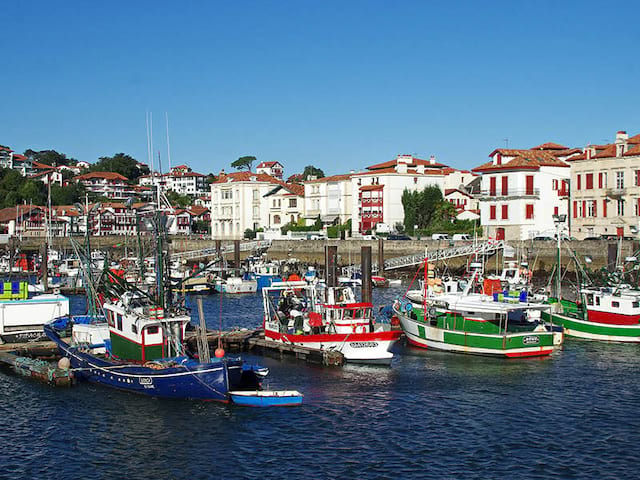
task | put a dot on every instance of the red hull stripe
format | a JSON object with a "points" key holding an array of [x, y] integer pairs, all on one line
{"points": [[335, 337], [414, 343], [613, 318], [536, 353], [348, 306]]}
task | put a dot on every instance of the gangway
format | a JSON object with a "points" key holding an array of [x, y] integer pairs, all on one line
{"points": [[213, 251], [483, 248]]}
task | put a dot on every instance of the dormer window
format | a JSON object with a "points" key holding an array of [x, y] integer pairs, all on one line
{"points": [[498, 158]]}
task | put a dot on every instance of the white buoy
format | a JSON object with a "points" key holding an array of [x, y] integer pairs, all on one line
{"points": [[64, 363]]}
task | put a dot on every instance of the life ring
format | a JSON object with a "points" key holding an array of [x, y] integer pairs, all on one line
{"points": [[431, 311], [408, 307]]}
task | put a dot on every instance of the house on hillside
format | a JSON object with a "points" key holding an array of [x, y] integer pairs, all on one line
{"points": [[275, 169], [110, 185]]}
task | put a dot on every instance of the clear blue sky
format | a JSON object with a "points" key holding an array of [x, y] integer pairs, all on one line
{"points": [[337, 84]]}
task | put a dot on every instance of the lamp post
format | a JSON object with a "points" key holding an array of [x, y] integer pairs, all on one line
{"points": [[558, 220]]}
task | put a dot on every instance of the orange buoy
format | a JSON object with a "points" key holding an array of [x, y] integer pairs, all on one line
{"points": [[219, 353]]}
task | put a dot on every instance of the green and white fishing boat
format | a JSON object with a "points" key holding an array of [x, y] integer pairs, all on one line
{"points": [[475, 323]]}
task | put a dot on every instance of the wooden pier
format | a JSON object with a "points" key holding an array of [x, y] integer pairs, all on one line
{"points": [[254, 341]]}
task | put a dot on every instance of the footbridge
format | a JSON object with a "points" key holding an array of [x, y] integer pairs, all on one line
{"points": [[484, 248]]}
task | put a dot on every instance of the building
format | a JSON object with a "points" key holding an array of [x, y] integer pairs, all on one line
{"points": [[238, 203], [110, 185], [328, 198], [605, 189], [275, 169], [521, 190], [378, 191], [285, 204]]}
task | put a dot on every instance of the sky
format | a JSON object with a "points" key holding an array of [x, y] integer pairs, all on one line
{"points": [[335, 84]]}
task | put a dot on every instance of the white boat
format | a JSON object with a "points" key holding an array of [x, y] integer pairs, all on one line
{"points": [[22, 318], [328, 319], [236, 285]]}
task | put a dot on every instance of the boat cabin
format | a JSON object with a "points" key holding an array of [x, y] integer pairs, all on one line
{"points": [[144, 334], [604, 305]]}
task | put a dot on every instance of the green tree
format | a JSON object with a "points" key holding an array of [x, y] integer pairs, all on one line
{"points": [[420, 207], [179, 200], [311, 171], [244, 163], [67, 195], [49, 157], [120, 163]]}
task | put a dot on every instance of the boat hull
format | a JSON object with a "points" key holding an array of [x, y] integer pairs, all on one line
{"points": [[586, 329], [195, 382], [370, 348], [513, 345]]}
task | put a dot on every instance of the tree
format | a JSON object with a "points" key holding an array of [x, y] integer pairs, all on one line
{"points": [[420, 207], [244, 162], [177, 199], [49, 157], [120, 163], [67, 195], [16, 189], [311, 171]]}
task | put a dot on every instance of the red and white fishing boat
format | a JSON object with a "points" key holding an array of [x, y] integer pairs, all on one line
{"points": [[328, 319]]}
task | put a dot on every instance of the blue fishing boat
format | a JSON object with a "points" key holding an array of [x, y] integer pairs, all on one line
{"points": [[267, 398]]}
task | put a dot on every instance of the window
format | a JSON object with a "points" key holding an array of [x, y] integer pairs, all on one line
{"points": [[554, 184], [492, 212], [591, 209], [600, 180], [637, 207], [620, 179], [293, 202], [615, 304], [529, 211], [152, 330], [529, 185], [579, 180], [620, 208], [492, 186], [556, 210], [255, 195], [505, 212], [588, 180], [604, 207], [505, 186], [276, 219], [637, 178], [118, 321], [256, 211], [226, 194], [575, 209], [134, 329]]}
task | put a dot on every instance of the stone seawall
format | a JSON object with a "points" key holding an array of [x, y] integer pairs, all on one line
{"points": [[541, 254]]}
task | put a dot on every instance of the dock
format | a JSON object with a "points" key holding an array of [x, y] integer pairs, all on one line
{"points": [[38, 369], [254, 341]]}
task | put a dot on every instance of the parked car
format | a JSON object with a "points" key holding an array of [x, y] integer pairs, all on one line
{"points": [[461, 236], [398, 236], [440, 236], [543, 238]]}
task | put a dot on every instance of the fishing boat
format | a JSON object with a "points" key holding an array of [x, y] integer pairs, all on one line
{"points": [[145, 354], [327, 319], [267, 398], [461, 321], [22, 317], [264, 272], [609, 314]]}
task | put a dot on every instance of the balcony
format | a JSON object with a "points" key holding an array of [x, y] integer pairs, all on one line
{"points": [[488, 196], [616, 193]]}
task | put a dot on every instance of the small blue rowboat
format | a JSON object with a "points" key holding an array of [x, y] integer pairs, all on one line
{"points": [[266, 398]]}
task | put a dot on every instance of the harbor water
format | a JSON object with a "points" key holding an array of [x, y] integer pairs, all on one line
{"points": [[430, 415]]}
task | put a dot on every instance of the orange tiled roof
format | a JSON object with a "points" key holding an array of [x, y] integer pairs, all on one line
{"points": [[523, 160], [550, 146], [104, 175], [414, 163], [333, 178]]}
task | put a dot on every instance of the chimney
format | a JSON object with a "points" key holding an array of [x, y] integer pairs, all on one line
{"points": [[621, 143], [432, 159]]}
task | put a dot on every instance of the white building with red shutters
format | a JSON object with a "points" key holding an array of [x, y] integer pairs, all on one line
{"points": [[521, 190], [275, 169], [377, 193], [110, 185], [605, 189]]}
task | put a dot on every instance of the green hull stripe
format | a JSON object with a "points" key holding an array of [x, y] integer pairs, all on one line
{"points": [[591, 327]]}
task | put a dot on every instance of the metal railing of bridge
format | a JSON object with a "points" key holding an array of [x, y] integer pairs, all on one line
{"points": [[433, 256], [213, 251]]}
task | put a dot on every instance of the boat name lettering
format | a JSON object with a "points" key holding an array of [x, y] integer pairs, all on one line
{"points": [[363, 344], [146, 381], [531, 340]]}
